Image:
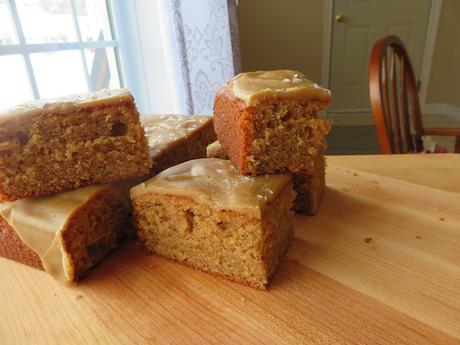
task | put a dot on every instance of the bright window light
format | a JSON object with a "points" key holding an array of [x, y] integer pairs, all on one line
{"points": [[50, 48]]}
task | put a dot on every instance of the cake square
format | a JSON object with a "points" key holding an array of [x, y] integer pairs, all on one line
{"points": [[309, 188], [203, 213], [58, 145], [267, 122], [174, 139], [67, 233]]}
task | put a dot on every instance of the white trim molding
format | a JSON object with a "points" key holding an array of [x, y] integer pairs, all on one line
{"points": [[430, 43], [327, 41], [443, 109]]}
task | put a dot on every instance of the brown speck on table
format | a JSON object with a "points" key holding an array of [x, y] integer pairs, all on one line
{"points": [[355, 174], [418, 237], [78, 297], [345, 189], [441, 219], [374, 182], [368, 239]]}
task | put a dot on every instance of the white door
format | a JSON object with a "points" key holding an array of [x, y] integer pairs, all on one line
{"points": [[357, 25]]}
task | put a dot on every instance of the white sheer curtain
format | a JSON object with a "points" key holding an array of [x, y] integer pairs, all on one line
{"points": [[202, 48]]}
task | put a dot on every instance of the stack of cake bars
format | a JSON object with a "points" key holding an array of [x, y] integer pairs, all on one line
{"points": [[69, 167], [234, 217], [66, 167], [267, 123]]}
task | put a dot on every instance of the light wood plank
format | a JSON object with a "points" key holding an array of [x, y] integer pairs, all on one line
{"points": [[439, 171]]}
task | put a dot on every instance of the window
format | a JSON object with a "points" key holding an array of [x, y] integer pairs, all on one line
{"points": [[50, 48]]}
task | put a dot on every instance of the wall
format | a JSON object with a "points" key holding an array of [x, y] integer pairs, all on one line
{"points": [[265, 24], [444, 84], [276, 34]]}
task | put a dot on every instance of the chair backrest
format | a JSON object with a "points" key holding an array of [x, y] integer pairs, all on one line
{"points": [[394, 97]]}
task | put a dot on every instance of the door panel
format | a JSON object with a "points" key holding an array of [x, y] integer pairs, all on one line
{"points": [[356, 42], [363, 22]]}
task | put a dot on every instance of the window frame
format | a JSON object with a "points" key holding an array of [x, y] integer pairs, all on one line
{"points": [[142, 51], [26, 49]]}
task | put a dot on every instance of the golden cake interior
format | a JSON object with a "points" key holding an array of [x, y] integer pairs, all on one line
{"points": [[287, 134]]}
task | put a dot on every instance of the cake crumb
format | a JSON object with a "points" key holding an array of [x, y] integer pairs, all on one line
{"points": [[345, 189], [78, 297], [374, 182], [355, 174], [418, 237], [442, 219], [368, 239], [243, 300]]}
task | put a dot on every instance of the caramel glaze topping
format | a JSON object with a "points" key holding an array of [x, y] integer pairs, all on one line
{"points": [[164, 131], [216, 183], [68, 104], [251, 87]]}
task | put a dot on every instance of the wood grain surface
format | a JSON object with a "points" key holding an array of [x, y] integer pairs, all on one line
{"points": [[440, 171], [379, 264]]}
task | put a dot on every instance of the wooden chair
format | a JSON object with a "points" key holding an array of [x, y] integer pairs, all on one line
{"points": [[394, 97]]}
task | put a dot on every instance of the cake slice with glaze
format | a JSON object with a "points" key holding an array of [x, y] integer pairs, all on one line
{"points": [[174, 139], [267, 122], [67, 233], [203, 213], [59, 145]]}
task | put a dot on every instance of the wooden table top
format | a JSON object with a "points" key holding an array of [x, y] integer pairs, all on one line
{"points": [[379, 264], [440, 171]]}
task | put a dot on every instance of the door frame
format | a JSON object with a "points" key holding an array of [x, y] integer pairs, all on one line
{"points": [[430, 42]]}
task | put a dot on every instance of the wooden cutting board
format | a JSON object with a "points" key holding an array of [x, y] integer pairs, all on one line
{"points": [[379, 264]]}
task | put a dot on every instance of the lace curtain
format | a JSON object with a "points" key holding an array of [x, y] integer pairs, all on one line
{"points": [[204, 49]]}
